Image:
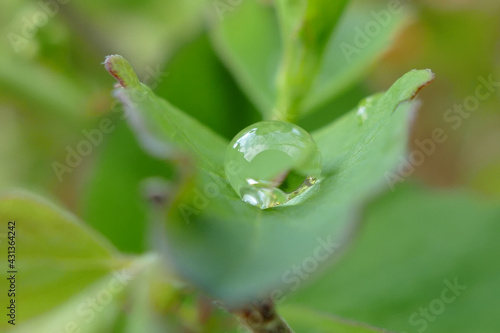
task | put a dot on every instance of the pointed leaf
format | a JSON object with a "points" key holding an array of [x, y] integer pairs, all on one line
{"points": [[163, 130], [306, 27], [235, 251], [253, 56]]}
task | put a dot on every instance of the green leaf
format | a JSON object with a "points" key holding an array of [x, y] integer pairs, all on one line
{"points": [[220, 105], [235, 251], [306, 27], [35, 84], [351, 134], [97, 307], [345, 60], [113, 202], [415, 243], [153, 301], [305, 320], [56, 255], [163, 130], [248, 41]]}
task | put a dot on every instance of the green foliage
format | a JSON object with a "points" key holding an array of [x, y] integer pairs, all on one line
{"points": [[57, 254], [306, 27], [165, 233], [248, 42], [294, 75], [225, 227], [114, 199], [414, 240], [308, 321]]}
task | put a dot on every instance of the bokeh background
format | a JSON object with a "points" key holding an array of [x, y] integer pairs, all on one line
{"points": [[442, 220]]}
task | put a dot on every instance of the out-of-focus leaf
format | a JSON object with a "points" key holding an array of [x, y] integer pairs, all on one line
{"points": [[248, 42], [197, 82], [13, 150], [56, 255], [42, 88], [253, 56], [416, 244], [487, 180], [235, 251], [95, 308], [351, 51], [153, 302], [306, 27], [77, 313], [309, 321]]}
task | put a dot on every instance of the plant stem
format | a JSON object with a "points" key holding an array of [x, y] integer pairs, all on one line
{"points": [[261, 317]]}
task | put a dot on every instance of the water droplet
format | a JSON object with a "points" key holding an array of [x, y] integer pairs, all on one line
{"points": [[362, 114], [272, 162]]}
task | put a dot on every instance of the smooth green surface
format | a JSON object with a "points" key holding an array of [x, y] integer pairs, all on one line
{"points": [[163, 130], [248, 41], [305, 320], [56, 255], [345, 58], [218, 242], [114, 203], [97, 307], [412, 241], [54, 89], [76, 314]]}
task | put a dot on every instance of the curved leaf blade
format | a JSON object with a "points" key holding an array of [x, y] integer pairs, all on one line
{"points": [[248, 42], [305, 320], [346, 60], [56, 254], [254, 56], [163, 130], [237, 252]]}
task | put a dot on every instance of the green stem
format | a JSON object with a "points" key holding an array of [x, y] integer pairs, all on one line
{"points": [[295, 81]]}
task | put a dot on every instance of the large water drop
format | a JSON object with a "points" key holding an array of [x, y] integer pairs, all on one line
{"points": [[272, 162]]}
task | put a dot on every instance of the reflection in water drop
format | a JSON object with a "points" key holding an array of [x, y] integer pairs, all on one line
{"points": [[272, 162], [362, 114]]}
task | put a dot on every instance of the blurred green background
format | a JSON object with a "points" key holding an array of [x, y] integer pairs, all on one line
{"points": [[53, 90]]}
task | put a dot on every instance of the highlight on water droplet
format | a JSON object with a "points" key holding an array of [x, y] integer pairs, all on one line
{"points": [[362, 114], [272, 162]]}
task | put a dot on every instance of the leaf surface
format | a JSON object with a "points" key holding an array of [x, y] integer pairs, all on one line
{"points": [[426, 254], [235, 251], [56, 254]]}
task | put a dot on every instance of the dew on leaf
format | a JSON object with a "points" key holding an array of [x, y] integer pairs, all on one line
{"points": [[272, 162], [361, 113]]}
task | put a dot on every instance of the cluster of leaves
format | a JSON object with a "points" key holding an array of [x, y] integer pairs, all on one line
{"points": [[289, 65]]}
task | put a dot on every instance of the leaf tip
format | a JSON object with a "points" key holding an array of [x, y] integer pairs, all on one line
{"points": [[430, 77], [121, 69]]}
